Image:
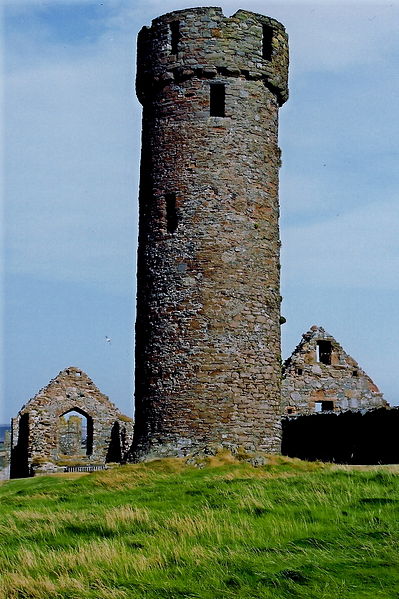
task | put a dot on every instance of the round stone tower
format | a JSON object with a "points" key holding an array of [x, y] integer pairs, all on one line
{"points": [[208, 301]]}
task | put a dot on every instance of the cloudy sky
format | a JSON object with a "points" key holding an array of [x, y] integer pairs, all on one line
{"points": [[72, 138]]}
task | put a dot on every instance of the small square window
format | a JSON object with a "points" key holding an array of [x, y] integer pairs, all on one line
{"points": [[324, 406]]}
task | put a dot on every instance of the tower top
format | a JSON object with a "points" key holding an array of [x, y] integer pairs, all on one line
{"points": [[202, 42]]}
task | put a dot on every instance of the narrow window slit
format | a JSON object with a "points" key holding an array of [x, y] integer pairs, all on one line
{"points": [[217, 99], [171, 212], [174, 36], [267, 42]]}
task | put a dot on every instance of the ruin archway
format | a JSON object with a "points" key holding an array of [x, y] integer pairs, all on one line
{"points": [[75, 433]]}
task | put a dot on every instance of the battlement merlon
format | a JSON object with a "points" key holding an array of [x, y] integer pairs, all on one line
{"points": [[202, 42]]}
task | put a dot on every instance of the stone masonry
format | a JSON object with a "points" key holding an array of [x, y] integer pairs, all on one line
{"points": [[71, 436], [208, 299], [5, 449], [320, 377], [44, 438]]}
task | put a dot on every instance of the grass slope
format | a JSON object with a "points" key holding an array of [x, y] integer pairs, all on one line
{"points": [[167, 530]]}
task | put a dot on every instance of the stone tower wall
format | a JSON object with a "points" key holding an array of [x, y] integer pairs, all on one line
{"points": [[208, 306]]}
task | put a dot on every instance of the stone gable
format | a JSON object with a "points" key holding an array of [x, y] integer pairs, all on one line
{"points": [[68, 422], [321, 376]]}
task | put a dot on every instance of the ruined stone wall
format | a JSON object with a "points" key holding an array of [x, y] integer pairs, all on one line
{"points": [[70, 436], [5, 452], [208, 304], [40, 431], [311, 384]]}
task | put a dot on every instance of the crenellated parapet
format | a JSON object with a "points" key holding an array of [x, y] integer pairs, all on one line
{"points": [[203, 43]]}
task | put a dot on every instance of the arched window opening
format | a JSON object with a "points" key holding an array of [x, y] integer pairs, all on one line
{"points": [[75, 434]]}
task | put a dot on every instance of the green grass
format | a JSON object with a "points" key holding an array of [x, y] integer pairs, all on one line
{"points": [[164, 530]]}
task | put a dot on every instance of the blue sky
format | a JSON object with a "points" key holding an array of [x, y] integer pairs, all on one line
{"points": [[72, 139]]}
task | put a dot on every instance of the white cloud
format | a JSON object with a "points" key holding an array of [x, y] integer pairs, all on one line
{"points": [[17, 5], [74, 150], [358, 250], [71, 121], [73, 140]]}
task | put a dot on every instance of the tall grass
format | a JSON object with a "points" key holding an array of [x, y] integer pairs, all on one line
{"points": [[166, 530]]}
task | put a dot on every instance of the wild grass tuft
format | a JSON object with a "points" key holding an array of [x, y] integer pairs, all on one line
{"points": [[163, 529]]}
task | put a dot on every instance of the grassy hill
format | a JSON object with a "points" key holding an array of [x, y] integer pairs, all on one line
{"points": [[160, 530]]}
